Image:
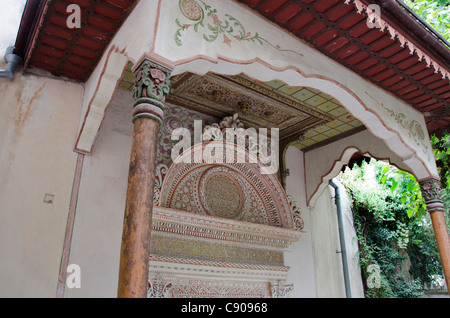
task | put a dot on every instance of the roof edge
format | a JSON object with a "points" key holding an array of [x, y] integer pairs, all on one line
{"points": [[403, 18], [30, 17]]}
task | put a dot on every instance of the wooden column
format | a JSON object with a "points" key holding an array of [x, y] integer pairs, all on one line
{"points": [[431, 191], [150, 91]]}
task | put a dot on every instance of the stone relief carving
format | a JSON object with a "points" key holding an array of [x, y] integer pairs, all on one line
{"points": [[233, 193], [161, 171], [296, 213], [240, 136], [281, 291], [158, 288]]}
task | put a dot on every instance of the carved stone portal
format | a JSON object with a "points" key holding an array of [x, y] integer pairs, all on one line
{"points": [[220, 230]]}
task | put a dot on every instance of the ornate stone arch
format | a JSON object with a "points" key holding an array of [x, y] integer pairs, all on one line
{"points": [[235, 190]]}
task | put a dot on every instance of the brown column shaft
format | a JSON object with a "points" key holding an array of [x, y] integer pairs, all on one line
{"points": [[138, 212], [151, 88], [431, 192], [443, 242]]}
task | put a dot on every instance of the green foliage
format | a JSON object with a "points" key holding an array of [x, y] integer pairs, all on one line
{"points": [[435, 12], [393, 229], [441, 149], [405, 188]]}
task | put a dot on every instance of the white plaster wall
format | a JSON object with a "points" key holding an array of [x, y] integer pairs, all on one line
{"points": [[38, 126], [98, 224], [299, 256], [327, 248], [351, 242]]}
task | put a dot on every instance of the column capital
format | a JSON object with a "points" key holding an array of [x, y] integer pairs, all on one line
{"points": [[151, 87], [431, 192]]}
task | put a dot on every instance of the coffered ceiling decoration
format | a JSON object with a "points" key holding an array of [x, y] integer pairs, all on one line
{"points": [[305, 116], [343, 123], [258, 105]]}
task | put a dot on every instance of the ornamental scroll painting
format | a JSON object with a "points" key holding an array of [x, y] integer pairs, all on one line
{"points": [[216, 26]]}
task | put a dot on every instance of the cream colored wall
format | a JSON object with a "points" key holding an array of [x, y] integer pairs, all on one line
{"points": [[97, 232], [327, 260], [38, 124], [299, 256]]}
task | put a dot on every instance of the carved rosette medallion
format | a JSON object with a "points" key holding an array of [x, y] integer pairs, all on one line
{"points": [[150, 90], [431, 192], [220, 193]]}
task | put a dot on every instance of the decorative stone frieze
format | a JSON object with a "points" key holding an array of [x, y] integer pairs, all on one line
{"points": [[191, 247], [188, 224]]}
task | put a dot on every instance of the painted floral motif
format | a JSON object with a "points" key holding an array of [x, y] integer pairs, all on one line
{"points": [[191, 10], [296, 213], [413, 126], [227, 28]]}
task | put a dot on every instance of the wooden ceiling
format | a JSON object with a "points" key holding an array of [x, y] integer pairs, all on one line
{"points": [[74, 53]]}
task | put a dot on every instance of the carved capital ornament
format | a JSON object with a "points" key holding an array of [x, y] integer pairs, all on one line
{"points": [[151, 88], [431, 192]]}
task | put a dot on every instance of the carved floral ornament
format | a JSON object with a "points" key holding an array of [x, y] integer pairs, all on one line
{"points": [[150, 90], [194, 288], [281, 291], [431, 192], [158, 288]]}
